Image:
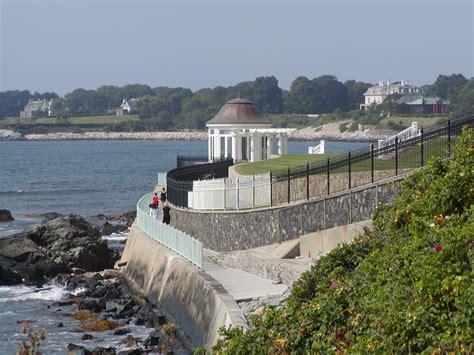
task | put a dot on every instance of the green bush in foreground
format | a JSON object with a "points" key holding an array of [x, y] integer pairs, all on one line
{"points": [[404, 286]]}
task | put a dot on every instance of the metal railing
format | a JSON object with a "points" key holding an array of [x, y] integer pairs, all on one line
{"points": [[162, 179], [404, 135], [170, 237], [319, 149], [180, 180], [334, 174]]}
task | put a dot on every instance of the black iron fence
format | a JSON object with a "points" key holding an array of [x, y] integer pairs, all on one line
{"points": [[366, 165], [330, 175], [189, 160], [179, 181]]}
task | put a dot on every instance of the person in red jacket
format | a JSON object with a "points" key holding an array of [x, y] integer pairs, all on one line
{"points": [[155, 199]]}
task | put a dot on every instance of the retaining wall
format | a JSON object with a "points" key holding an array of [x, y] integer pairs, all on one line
{"points": [[227, 231], [192, 299]]}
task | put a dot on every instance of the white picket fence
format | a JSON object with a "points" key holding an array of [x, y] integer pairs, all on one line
{"points": [[407, 133], [244, 192], [170, 237], [319, 149]]}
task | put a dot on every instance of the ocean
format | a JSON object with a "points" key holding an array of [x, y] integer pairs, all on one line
{"points": [[86, 178]]}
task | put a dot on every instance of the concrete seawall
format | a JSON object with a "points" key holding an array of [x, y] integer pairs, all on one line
{"points": [[192, 299]]}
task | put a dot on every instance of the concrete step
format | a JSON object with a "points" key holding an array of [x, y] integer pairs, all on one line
{"points": [[242, 285]]}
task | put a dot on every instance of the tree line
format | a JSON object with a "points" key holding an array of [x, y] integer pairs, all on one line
{"points": [[165, 107]]}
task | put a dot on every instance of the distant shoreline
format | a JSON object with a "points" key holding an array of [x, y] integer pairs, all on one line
{"points": [[328, 131]]}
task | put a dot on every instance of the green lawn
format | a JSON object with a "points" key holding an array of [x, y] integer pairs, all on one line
{"points": [[406, 159], [75, 120], [101, 120], [406, 121], [280, 164]]}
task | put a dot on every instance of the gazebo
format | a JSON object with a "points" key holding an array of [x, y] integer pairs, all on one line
{"points": [[238, 131]]}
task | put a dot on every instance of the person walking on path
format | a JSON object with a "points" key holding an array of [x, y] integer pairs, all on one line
{"points": [[166, 213], [163, 195], [153, 211], [155, 199]]}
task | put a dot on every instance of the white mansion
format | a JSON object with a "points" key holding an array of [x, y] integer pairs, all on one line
{"points": [[375, 95]]}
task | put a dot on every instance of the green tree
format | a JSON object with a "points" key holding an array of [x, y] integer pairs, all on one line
{"points": [[447, 86], [267, 95], [465, 102]]}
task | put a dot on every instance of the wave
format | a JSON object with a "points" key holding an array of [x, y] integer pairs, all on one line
{"points": [[22, 293]]}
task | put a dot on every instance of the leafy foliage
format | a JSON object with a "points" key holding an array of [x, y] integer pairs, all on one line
{"points": [[403, 286]]}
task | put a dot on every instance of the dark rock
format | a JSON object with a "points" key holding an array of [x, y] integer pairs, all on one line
{"points": [[104, 351], [9, 277], [87, 337], [136, 351], [6, 216], [50, 248], [121, 331], [89, 305], [153, 339], [130, 342], [162, 320], [72, 346], [106, 229], [60, 325]]}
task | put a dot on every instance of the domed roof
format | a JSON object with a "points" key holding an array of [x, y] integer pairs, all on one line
{"points": [[238, 111]]}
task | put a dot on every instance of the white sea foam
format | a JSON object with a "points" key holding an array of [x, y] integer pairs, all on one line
{"points": [[23, 293]]}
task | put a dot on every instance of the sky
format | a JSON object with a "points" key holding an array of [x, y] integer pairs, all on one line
{"points": [[59, 45]]}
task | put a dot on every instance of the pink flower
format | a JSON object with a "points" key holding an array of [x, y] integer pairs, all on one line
{"points": [[438, 248], [333, 285]]}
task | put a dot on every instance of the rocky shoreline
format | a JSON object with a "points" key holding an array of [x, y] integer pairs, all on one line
{"points": [[328, 131], [67, 251]]}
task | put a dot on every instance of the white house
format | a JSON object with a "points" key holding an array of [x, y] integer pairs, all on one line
{"points": [[36, 105], [238, 131], [126, 107], [375, 95]]}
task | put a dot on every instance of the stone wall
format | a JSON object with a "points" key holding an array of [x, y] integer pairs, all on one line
{"points": [[227, 231], [191, 298], [318, 184]]}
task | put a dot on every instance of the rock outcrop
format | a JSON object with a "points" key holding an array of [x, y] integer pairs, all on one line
{"points": [[56, 246], [6, 216]]}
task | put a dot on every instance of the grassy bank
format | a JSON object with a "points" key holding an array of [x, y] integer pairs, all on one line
{"points": [[407, 159], [405, 286]]}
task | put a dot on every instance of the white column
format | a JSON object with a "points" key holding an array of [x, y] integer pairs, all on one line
{"points": [[209, 153], [252, 147], [280, 144], [285, 144], [226, 148], [217, 144], [269, 146]]}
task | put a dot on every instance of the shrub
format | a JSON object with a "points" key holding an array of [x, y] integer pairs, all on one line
{"points": [[403, 286]]}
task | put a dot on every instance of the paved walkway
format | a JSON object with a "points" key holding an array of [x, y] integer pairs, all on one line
{"points": [[242, 285]]}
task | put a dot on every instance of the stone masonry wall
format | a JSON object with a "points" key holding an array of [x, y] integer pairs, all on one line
{"points": [[227, 231]]}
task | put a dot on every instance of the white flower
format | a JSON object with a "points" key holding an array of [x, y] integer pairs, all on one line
{"points": [[432, 225]]}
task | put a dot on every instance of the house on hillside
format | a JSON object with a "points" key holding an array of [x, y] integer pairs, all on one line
{"points": [[375, 95], [36, 105], [428, 105], [127, 107]]}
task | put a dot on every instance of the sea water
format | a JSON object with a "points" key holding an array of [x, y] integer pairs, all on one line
{"points": [[85, 178]]}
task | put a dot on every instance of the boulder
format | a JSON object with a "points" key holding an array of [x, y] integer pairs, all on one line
{"points": [[130, 342], [106, 229], [6, 216], [9, 277], [153, 339], [56, 246]]}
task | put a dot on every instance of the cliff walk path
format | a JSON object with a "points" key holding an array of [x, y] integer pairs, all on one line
{"points": [[242, 285]]}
